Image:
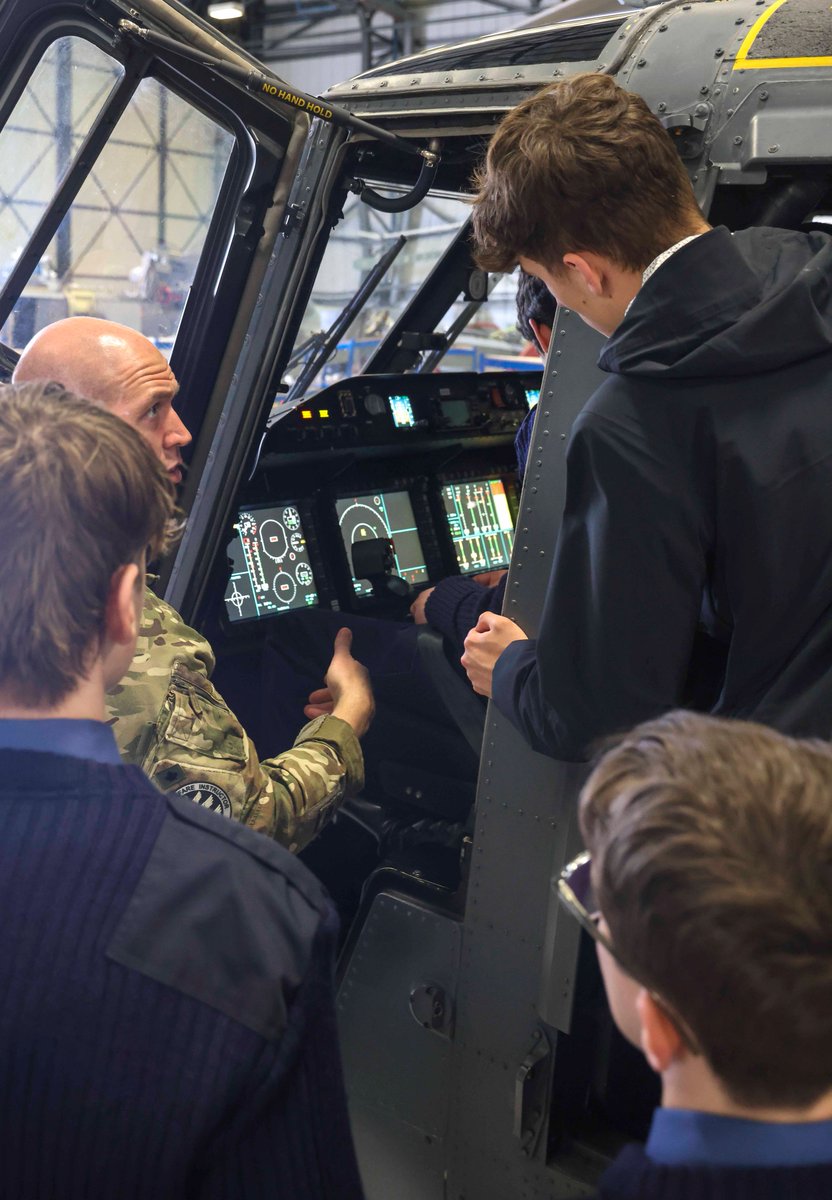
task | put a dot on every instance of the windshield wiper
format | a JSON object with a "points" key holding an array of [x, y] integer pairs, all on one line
{"points": [[351, 310], [432, 360]]}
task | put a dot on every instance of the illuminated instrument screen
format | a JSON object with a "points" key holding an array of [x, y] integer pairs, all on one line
{"points": [[271, 571], [532, 396], [402, 412], [383, 515], [480, 523]]}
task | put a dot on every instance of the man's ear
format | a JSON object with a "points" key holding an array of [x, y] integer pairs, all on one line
{"points": [[660, 1039], [587, 271], [120, 614], [542, 334]]}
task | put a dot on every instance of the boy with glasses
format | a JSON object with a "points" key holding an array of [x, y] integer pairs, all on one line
{"points": [[707, 887]]}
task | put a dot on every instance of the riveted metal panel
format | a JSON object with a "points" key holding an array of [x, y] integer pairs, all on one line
{"points": [[397, 1072], [530, 55], [518, 960]]}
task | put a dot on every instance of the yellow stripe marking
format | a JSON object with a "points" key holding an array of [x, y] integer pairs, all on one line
{"points": [[751, 64], [744, 63], [751, 36]]}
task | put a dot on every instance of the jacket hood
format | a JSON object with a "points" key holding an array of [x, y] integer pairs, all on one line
{"points": [[729, 304]]}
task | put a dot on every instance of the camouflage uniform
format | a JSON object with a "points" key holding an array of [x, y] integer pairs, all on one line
{"points": [[170, 720]]}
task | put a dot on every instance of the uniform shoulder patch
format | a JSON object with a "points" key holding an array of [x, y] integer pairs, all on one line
{"points": [[207, 795]]}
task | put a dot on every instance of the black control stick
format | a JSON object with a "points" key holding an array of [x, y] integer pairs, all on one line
{"points": [[373, 559]]}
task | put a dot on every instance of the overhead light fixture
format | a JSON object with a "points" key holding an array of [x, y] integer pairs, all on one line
{"points": [[226, 10]]}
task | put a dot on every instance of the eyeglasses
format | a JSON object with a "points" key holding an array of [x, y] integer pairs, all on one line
{"points": [[576, 894]]}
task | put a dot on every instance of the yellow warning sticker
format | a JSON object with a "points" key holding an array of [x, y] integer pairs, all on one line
{"points": [[780, 35]]}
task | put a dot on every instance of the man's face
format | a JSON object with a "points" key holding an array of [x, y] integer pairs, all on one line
{"points": [[146, 390]]}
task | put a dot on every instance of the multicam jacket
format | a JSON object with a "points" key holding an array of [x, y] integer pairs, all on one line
{"points": [[170, 720]]}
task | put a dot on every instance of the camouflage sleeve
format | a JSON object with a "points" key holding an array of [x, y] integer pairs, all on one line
{"points": [[171, 721]]}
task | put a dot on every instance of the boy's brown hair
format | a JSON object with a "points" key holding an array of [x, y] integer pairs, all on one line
{"points": [[582, 165], [711, 845], [81, 494]]}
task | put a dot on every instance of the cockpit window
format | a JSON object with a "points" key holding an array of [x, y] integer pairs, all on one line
{"points": [[129, 245], [359, 241], [66, 92]]}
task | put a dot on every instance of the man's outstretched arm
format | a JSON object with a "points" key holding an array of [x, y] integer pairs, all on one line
{"points": [[171, 721]]}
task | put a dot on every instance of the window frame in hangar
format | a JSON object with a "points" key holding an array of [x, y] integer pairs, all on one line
{"points": [[153, 151], [218, 259]]}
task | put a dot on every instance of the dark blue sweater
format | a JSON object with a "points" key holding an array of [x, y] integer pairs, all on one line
{"points": [[166, 1014], [633, 1176]]}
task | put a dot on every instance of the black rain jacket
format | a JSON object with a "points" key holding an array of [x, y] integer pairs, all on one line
{"points": [[694, 562]]}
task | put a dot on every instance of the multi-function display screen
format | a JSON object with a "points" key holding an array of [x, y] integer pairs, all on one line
{"points": [[271, 571], [402, 412], [383, 515], [480, 522]]}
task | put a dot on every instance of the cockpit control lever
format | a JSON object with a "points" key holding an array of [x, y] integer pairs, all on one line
{"points": [[374, 559]]}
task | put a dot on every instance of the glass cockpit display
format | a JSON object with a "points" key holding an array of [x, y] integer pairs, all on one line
{"points": [[383, 515], [401, 410], [271, 571], [479, 518]]}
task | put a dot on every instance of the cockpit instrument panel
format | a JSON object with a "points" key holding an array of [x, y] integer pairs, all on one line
{"points": [[426, 462], [271, 570], [481, 525], [404, 410], [383, 515]]}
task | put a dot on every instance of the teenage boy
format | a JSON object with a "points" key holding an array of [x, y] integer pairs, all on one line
{"points": [[167, 1021], [167, 716], [707, 885], [699, 472]]}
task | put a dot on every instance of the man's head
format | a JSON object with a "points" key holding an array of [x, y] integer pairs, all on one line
{"points": [[711, 846], [536, 310], [584, 188], [81, 499], [117, 367]]}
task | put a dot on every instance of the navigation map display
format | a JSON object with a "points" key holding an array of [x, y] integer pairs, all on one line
{"points": [[270, 572], [383, 515], [480, 523]]}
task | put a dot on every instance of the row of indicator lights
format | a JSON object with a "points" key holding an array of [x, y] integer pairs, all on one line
{"points": [[307, 414]]}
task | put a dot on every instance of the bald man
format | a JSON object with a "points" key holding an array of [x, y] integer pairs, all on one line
{"points": [[167, 716]]}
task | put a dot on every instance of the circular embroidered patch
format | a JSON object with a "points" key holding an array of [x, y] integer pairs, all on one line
{"points": [[208, 795]]}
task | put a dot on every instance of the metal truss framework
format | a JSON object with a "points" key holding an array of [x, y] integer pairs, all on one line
{"points": [[384, 29], [60, 133]]}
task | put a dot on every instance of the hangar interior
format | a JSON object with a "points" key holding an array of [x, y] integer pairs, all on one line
{"points": [[496, 1082], [129, 243]]}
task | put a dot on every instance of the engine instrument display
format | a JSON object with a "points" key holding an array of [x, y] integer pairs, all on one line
{"points": [[271, 571], [480, 522], [383, 515]]}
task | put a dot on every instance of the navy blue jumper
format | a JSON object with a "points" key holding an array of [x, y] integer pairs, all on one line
{"points": [[166, 1008]]}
